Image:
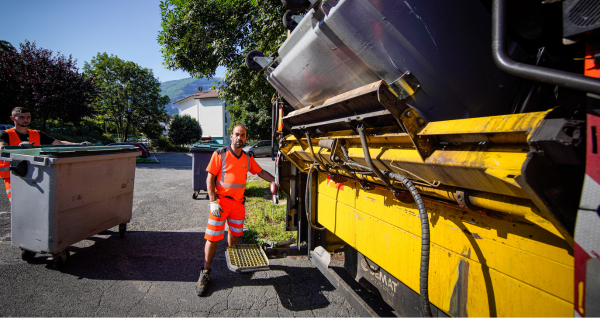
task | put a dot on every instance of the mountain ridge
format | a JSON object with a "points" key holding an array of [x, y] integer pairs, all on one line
{"points": [[178, 89]]}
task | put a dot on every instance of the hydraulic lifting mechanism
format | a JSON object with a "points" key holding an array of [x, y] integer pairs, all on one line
{"points": [[456, 163]]}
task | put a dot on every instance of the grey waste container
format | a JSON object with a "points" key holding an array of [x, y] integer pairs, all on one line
{"points": [[201, 157], [64, 194]]}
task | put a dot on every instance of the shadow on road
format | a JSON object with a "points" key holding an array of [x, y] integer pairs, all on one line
{"points": [[178, 256]]}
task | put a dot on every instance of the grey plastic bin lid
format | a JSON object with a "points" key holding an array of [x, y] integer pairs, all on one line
{"points": [[60, 151], [206, 148]]}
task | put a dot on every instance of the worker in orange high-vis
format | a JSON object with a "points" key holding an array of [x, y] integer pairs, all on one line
{"points": [[226, 183], [22, 136]]}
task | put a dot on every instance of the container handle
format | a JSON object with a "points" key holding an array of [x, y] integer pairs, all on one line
{"points": [[37, 179]]}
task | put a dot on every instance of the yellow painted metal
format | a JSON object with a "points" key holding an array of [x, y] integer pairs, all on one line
{"points": [[491, 168], [519, 258], [518, 123], [515, 267], [465, 166]]}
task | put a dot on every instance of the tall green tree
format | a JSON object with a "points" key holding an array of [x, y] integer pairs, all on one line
{"points": [[49, 85], [129, 94], [184, 130], [197, 36]]}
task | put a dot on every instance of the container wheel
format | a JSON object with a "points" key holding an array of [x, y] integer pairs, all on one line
{"points": [[122, 230], [251, 63], [288, 21], [27, 255], [60, 259], [195, 196]]}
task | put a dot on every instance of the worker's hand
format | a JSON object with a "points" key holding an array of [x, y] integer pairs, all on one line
{"points": [[215, 209], [86, 144], [274, 188], [26, 145]]}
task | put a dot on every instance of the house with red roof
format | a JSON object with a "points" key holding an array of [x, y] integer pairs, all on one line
{"points": [[209, 110]]}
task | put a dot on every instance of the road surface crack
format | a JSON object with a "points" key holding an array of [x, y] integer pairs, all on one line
{"points": [[102, 296], [139, 301]]}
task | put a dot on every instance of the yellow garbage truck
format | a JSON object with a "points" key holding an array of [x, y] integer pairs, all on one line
{"points": [[449, 147]]}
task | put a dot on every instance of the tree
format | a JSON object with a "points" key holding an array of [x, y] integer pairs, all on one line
{"points": [[198, 36], [184, 130], [5, 46], [152, 129], [129, 94], [49, 86]]}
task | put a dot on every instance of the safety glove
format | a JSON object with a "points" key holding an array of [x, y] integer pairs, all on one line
{"points": [[215, 209], [26, 145], [275, 192], [274, 188], [86, 143]]}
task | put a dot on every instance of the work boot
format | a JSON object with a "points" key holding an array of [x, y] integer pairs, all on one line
{"points": [[202, 282]]}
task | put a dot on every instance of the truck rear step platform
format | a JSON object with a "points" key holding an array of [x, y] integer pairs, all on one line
{"points": [[244, 258]]}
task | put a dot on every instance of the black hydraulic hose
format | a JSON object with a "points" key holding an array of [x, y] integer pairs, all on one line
{"points": [[346, 153], [317, 159], [308, 199], [357, 165], [425, 240], [536, 73], [363, 141]]}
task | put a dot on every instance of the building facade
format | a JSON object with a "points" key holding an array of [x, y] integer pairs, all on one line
{"points": [[209, 110]]}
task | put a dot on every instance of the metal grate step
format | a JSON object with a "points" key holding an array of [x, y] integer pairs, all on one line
{"points": [[245, 258]]}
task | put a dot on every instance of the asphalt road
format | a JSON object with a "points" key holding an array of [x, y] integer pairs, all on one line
{"points": [[153, 270]]}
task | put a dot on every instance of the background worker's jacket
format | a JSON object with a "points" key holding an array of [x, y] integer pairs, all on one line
{"points": [[231, 172], [14, 140]]}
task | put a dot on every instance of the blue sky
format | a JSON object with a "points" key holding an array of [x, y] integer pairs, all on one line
{"points": [[126, 28]]}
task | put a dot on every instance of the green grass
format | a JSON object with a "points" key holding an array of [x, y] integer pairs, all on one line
{"points": [[264, 220], [146, 160]]}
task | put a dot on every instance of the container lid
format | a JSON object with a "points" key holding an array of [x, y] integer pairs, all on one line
{"points": [[206, 148], [60, 151]]}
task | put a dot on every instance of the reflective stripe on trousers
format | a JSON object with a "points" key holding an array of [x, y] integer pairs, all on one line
{"points": [[8, 190]]}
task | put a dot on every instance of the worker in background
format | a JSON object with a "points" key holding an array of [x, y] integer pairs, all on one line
{"points": [[26, 138], [226, 183]]}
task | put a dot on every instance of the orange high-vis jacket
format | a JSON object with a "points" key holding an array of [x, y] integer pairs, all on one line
{"points": [[14, 140], [231, 172]]}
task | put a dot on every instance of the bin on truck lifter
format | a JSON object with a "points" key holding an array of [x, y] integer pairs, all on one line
{"points": [[64, 194]]}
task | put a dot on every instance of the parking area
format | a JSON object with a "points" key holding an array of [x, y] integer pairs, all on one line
{"points": [[152, 271]]}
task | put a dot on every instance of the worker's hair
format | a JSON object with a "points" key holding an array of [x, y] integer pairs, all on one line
{"points": [[19, 110], [239, 126]]}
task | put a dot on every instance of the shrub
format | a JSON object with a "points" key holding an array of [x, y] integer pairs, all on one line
{"points": [[184, 130], [88, 130], [163, 144]]}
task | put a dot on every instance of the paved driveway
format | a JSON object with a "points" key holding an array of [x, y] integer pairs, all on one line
{"points": [[153, 270]]}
